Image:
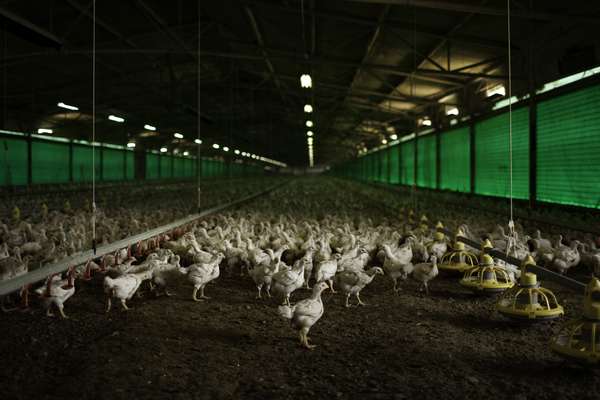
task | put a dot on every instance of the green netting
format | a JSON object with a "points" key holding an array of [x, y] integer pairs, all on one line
{"points": [[178, 167], [113, 165], [394, 154], [492, 155], [455, 164], [374, 173], [152, 171], [208, 170], [383, 165], [189, 167], [50, 162], [166, 166], [13, 162], [130, 164], [568, 148], [407, 163], [82, 163], [426, 163]]}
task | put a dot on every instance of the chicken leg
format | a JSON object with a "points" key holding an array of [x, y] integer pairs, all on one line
{"points": [[108, 304], [360, 303], [125, 305], [331, 286], [347, 299], [304, 339]]}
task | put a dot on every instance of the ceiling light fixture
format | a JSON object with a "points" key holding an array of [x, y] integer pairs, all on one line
{"points": [[309, 133], [131, 145], [308, 108], [44, 130], [186, 153], [149, 127], [305, 81], [225, 148], [163, 149], [68, 107], [178, 135], [309, 123], [236, 151], [215, 146], [197, 141], [116, 119], [394, 137]]}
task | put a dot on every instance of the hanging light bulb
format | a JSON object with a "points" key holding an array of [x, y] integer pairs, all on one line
{"points": [[197, 141], [308, 108], [309, 133], [394, 137], [305, 81], [309, 123]]}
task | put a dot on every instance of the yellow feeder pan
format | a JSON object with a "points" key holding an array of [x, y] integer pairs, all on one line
{"points": [[528, 300], [16, 214], [580, 339], [487, 278], [439, 225], [458, 259]]}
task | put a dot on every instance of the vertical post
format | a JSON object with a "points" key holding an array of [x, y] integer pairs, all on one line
{"points": [[125, 164], [438, 164], [472, 155], [532, 152], [400, 170], [101, 172], [71, 160], [29, 160], [416, 159]]}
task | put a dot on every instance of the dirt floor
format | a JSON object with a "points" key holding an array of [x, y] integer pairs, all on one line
{"points": [[407, 346]]}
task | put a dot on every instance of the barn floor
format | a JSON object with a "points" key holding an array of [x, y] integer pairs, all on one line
{"points": [[448, 345]]}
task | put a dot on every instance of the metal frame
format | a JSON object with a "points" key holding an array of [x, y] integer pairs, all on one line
{"points": [[80, 258]]}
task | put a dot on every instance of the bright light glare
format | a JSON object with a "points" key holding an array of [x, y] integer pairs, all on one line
{"points": [[215, 146], [149, 127], [309, 123], [500, 90], [452, 111], [309, 133], [178, 135], [236, 151], [383, 141], [186, 153], [68, 107], [131, 145], [44, 130], [163, 149], [197, 141], [225, 148], [394, 137], [308, 108], [426, 122], [116, 119]]}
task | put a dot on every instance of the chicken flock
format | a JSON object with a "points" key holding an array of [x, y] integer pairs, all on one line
{"points": [[284, 244]]}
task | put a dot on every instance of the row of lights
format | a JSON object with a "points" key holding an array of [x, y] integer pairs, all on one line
{"points": [[306, 82], [176, 135]]}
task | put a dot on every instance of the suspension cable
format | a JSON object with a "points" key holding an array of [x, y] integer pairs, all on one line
{"points": [[94, 126], [511, 224], [198, 140]]}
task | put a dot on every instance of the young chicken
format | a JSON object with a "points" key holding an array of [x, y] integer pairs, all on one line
{"points": [[326, 271], [286, 281], [262, 275], [305, 313], [398, 265], [57, 294], [201, 274], [352, 282], [123, 287], [424, 272]]}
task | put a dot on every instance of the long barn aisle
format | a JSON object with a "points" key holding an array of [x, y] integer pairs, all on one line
{"points": [[449, 344]]}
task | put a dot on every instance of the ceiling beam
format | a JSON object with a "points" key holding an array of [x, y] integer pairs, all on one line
{"points": [[396, 25], [461, 7], [28, 30]]}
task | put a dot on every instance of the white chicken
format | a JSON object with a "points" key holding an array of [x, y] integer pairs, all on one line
{"points": [[352, 282], [305, 313], [201, 274], [398, 265], [123, 287], [326, 270], [424, 272], [57, 293], [286, 281]]}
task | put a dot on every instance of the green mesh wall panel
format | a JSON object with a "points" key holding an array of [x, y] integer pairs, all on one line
{"points": [[178, 167], [13, 162], [407, 161], [166, 166], [152, 171], [189, 168], [426, 171], [394, 164], [50, 162], [568, 148], [113, 165], [130, 161], [208, 170], [82, 163], [374, 160], [455, 163], [383, 165], [492, 155]]}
